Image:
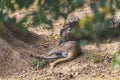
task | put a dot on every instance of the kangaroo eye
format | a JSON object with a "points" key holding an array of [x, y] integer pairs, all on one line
{"points": [[75, 18], [71, 20]]}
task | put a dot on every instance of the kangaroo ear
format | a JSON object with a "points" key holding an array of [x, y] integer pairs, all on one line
{"points": [[52, 65]]}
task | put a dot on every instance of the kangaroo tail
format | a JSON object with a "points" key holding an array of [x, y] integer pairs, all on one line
{"points": [[61, 61]]}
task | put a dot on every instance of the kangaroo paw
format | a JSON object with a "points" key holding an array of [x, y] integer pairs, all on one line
{"points": [[52, 65]]}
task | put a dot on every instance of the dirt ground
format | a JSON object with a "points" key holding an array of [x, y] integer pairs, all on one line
{"points": [[17, 64], [92, 65]]}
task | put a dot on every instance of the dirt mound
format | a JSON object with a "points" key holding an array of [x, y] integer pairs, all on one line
{"points": [[15, 53], [12, 60], [9, 58]]}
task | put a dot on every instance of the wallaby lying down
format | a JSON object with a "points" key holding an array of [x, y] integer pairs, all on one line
{"points": [[66, 51]]}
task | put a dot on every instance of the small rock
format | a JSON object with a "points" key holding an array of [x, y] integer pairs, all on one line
{"points": [[44, 70], [60, 74], [70, 76], [48, 78], [102, 75], [77, 73], [63, 79], [31, 46], [24, 46], [94, 75], [77, 64]]}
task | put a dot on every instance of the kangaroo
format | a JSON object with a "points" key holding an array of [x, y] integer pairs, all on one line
{"points": [[66, 52], [69, 51]]}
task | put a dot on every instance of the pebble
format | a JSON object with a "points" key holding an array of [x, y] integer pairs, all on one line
{"points": [[94, 75], [78, 64], [77, 73], [60, 74], [31, 46], [70, 75]]}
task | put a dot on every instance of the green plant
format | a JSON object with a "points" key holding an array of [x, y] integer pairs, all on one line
{"points": [[40, 63], [96, 58], [116, 61]]}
